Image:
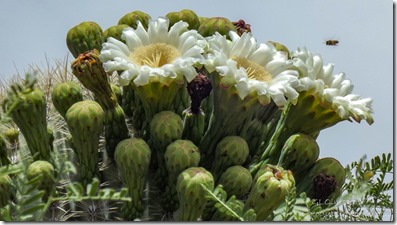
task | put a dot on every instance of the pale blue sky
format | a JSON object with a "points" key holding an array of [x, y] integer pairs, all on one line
{"points": [[33, 30]]}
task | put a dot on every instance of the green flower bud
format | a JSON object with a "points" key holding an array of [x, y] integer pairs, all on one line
{"points": [[131, 19], [209, 26], [132, 157], [85, 121], [180, 155], [323, 180], [191, 194], [115, 32], [28, 109], [84, 37], [185, 15], [230, 151], [45, 171], [12, 135], [299, 153], [236, 180], [270, 187], [117, 91], [64, 95]]}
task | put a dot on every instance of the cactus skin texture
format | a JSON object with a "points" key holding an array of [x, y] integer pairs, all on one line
{"points": [[132, 157], [209, 26], [185, 15], [84, 37], [5, 189], [131, 19], [191, 195], [85, 122], [64, 95], [230, 151], [45, 171], [270, 187], [28, 109], [323, 180], [236, 180], [299, 152], [179, 155]]}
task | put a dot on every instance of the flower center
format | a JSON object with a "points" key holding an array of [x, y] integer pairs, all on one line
{"points": [[154, 55], [254, 70]]}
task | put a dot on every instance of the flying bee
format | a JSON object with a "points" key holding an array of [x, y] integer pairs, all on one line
{"points": [[332, 42]]}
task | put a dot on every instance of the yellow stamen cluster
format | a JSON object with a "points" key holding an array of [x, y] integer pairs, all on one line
{"points": [[254, 70], [154, 55]]}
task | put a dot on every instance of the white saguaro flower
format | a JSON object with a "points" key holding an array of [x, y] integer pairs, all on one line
{"points": [[259, 69], [334, 89], [157, 54]]}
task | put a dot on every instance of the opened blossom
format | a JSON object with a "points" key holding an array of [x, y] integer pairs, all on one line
{"points": [[334, 89], [157, 54], [257, 69]]}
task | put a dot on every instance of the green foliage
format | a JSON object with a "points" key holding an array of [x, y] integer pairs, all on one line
{"points": [[221, 204], [367, 192], [365, 197]]}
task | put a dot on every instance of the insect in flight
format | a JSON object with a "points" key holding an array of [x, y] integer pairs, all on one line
{"points": [[332, 42]]}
